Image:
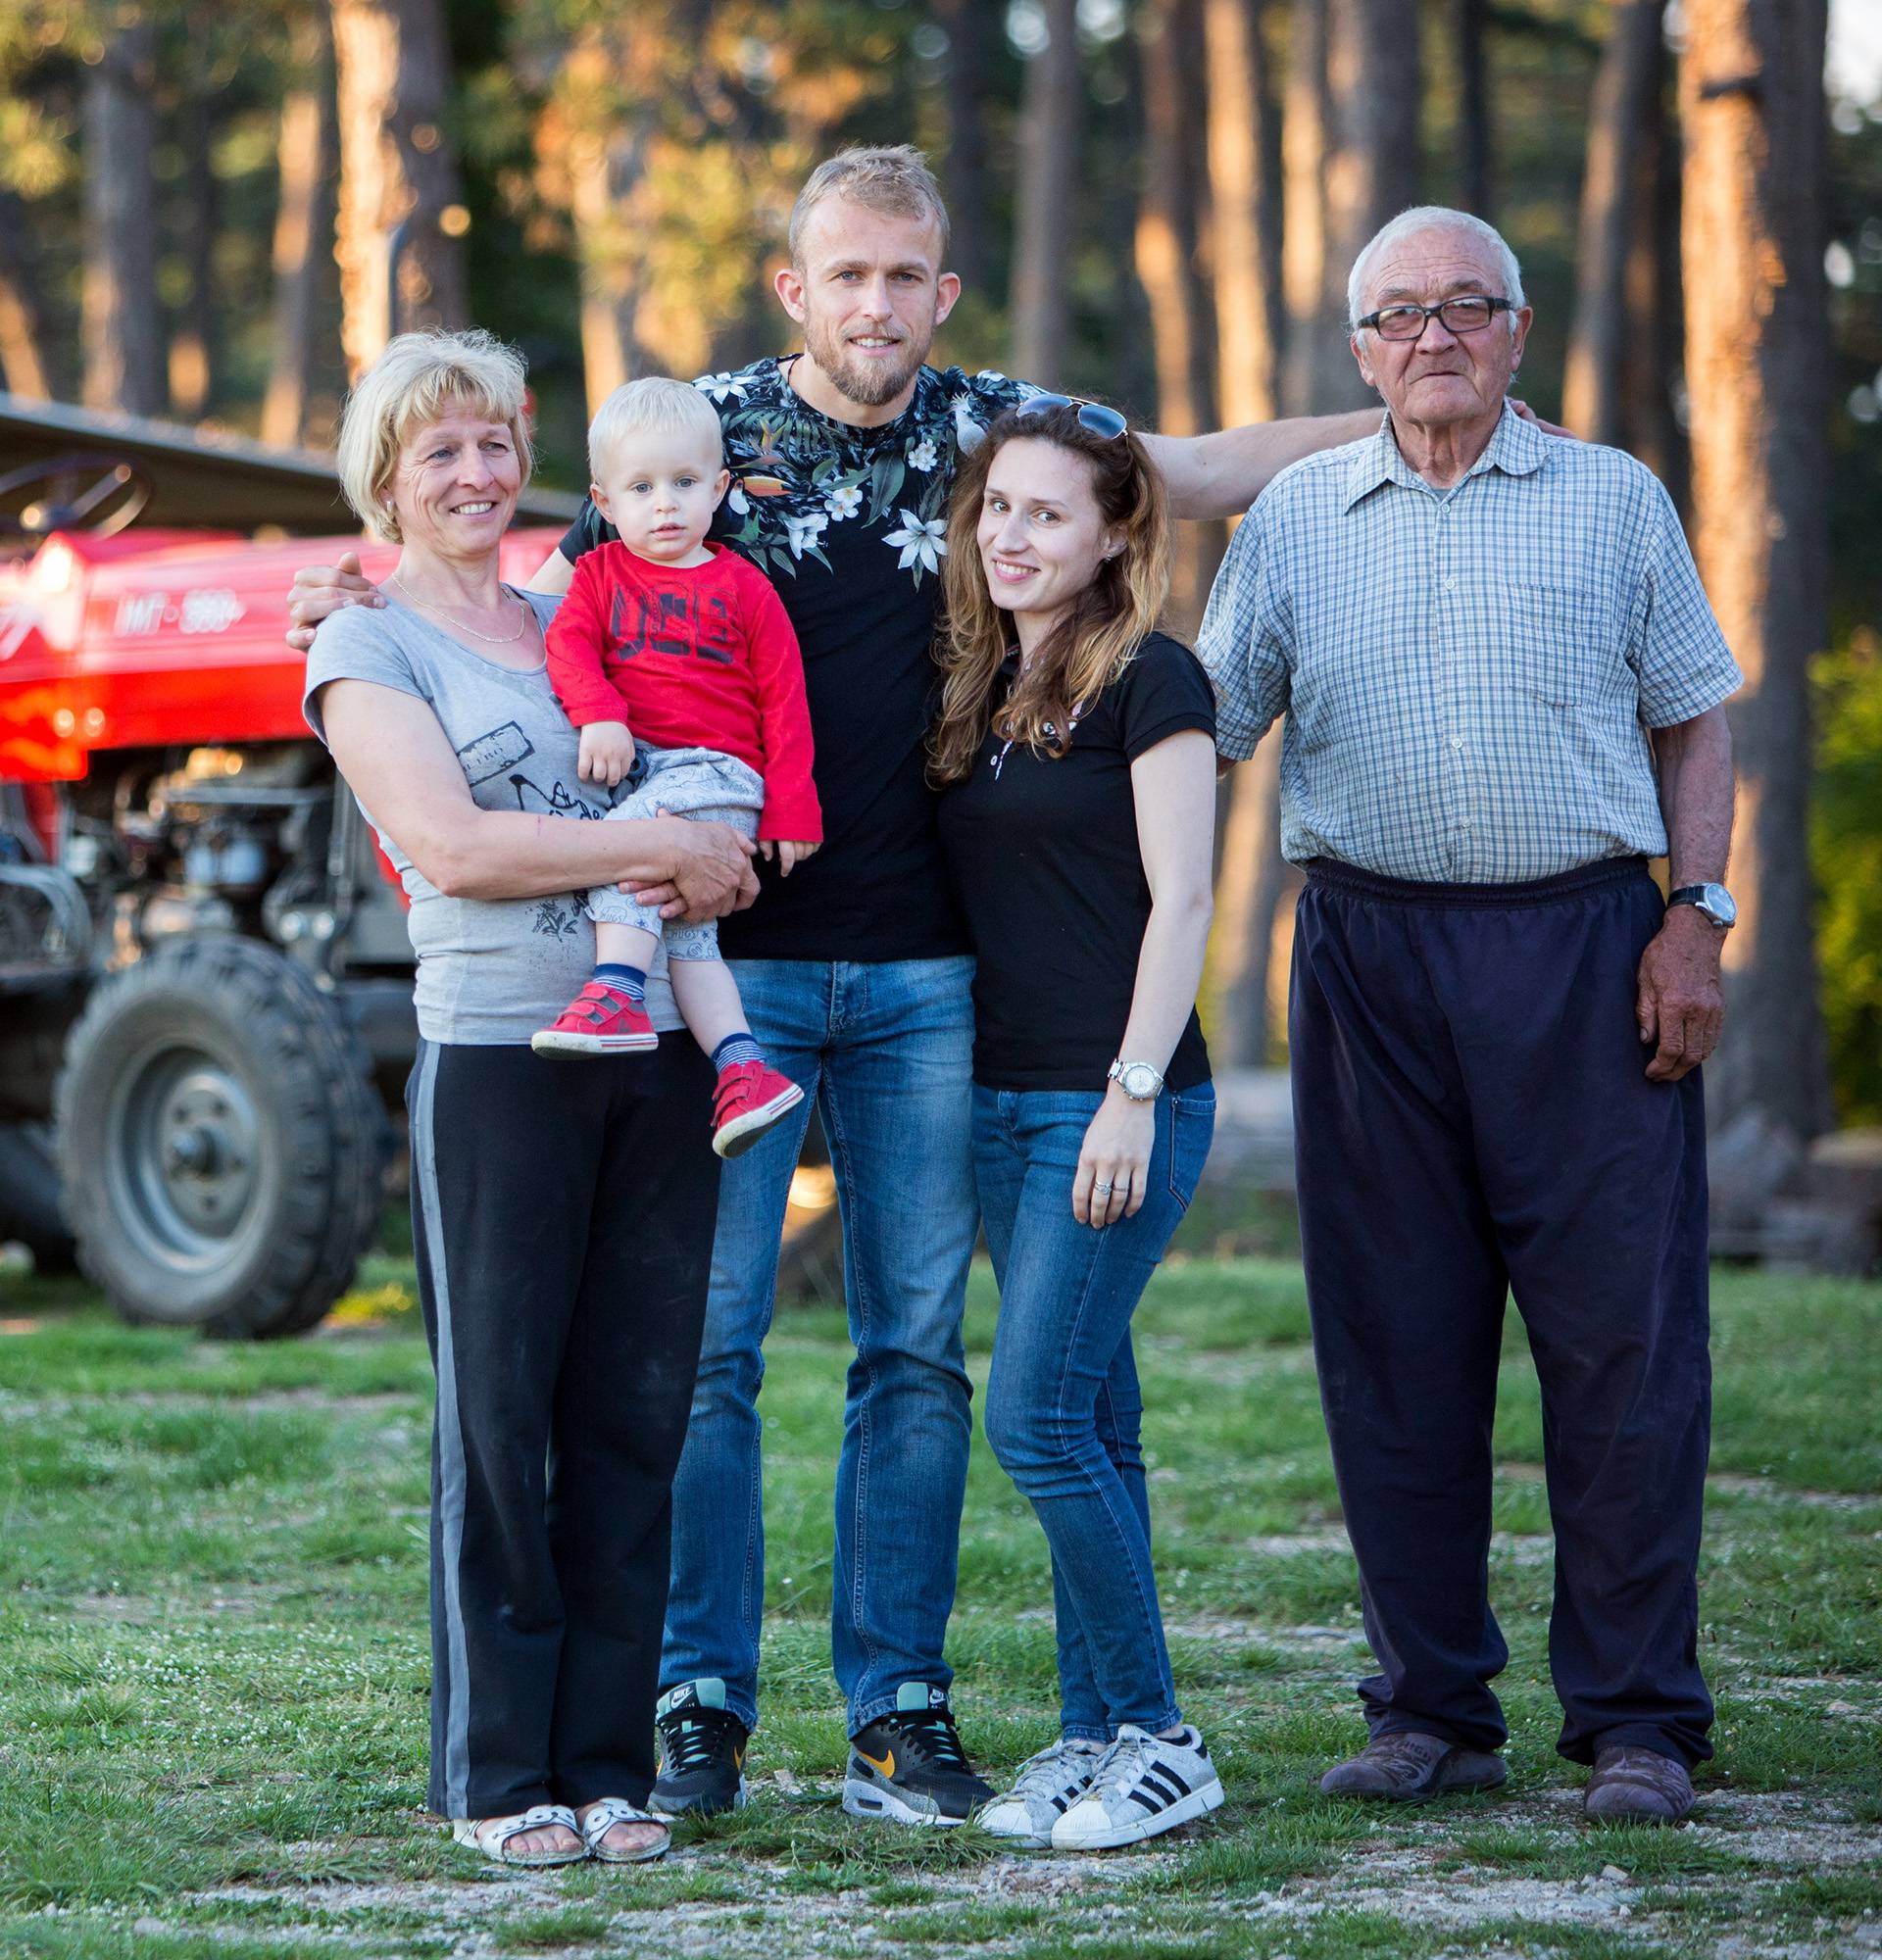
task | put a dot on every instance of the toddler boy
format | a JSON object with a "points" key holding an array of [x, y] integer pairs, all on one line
{"points": [[677, 663]]}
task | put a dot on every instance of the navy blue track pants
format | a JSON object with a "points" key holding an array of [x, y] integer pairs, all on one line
{"points": [[1471, 1120]]}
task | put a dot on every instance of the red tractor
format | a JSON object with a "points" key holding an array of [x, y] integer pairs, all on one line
{"points": [[205, 980]]}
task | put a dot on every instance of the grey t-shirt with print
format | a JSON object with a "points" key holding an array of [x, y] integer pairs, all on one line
{"points": [[490, 970]]}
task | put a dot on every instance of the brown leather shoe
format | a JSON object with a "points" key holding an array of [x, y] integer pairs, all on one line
{"points": [[1636, 1786], [1406, 1767]]}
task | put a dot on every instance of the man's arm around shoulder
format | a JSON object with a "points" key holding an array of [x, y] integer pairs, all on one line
{"points": [[552, 575], [1220, 475]]}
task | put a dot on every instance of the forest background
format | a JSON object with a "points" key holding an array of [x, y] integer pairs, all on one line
{"points": [[1154, 201]]}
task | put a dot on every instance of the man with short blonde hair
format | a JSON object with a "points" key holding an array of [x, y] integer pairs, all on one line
{"points": [[893, 178]]}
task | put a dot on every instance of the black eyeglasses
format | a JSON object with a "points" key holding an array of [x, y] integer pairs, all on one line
{"points": [[1105, 424], [1470, 313]]}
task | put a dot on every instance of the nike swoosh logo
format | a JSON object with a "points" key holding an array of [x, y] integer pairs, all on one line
{"points": [[887, 1764]]}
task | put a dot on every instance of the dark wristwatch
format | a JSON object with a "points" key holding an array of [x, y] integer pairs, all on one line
{"points": [[1714, 900]]}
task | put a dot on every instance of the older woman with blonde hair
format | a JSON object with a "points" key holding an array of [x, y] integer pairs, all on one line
{"points": [[1075, 753], [562, 1241]]}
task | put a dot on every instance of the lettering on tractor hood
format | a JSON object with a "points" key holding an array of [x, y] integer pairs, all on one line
{"points": [[211, 609]]}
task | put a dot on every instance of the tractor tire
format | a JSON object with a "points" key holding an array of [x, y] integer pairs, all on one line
{"points": [[221, 1142], [30, 1213]]}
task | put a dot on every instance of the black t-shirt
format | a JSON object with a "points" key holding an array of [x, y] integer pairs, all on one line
{"points": [[848, 523], [1045, 859]]}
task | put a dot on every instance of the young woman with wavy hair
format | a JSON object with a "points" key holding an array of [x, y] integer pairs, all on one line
{"points": [[1074, 750]]}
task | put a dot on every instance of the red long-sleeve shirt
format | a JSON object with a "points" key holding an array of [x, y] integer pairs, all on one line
{"points": [[694, 657]]}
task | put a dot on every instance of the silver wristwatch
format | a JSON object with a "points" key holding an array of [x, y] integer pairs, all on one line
{"points": [[1714, 901], [1137, 1079]]}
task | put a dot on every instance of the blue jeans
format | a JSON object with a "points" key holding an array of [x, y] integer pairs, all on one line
{"points": [[1063, 1411], [886, 1049]]}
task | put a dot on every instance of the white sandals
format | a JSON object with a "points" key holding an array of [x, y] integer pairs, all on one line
{"points": [[604, 1814], [493, 1836]]}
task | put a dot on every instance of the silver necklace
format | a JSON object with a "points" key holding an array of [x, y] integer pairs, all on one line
{"points": [[493, 639]]}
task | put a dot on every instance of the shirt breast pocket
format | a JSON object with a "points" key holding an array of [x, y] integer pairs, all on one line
{"points": [[1557, 641]]}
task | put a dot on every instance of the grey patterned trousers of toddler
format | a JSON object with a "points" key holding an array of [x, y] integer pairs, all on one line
{"points": [[702, 783]]}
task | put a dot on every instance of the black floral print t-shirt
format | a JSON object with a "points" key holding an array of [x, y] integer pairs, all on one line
{"points": [[849, 523]]}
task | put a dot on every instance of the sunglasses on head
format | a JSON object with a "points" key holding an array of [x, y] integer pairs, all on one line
{"points": [[1093, 417]]}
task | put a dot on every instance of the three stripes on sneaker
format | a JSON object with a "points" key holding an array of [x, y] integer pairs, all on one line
{"points": [[1076, 1797]]}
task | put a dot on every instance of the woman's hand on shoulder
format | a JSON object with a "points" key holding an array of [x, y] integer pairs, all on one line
{"points": [[1115, 1152]]}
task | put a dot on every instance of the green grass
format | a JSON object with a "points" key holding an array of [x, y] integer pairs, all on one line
{"points": [[214, 1666]]}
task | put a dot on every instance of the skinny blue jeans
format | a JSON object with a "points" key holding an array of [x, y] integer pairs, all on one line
{"points": [[1063, 1411], [886, 1050]]}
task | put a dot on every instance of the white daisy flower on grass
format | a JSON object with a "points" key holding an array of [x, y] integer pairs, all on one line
{"points": [[922, 541]]}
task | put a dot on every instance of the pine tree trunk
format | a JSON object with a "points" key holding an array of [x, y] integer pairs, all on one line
{"points": [[1166, 250], [1245, 199], [1305, 138], [397, 166], [1614, 187], [1758, 363], [972, 27], [123, 325], [1191, 62], [193, 345], [607, 139], [1373, 89], [1165, 235], [1051, 124], [1116, 209], [303, 220], [604, 168], [1477, 143], [23, 355], [1250, 883], [1656, 365]]}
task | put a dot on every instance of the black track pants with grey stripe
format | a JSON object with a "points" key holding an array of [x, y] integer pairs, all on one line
{"points": [[563, 1222]]}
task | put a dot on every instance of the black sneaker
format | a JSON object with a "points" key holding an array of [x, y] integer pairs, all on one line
{"points": [[702, 1752], [909, 1767]]}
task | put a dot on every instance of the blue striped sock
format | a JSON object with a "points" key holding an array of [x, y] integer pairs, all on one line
{"points": [[735, 1048], [628, 980]]}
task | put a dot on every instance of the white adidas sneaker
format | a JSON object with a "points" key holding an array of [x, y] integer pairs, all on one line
{"points": [[1048, 1784], [1140, 1788]]}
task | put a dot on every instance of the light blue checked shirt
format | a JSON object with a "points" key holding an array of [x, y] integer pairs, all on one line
{"points": [[1467, 674]]}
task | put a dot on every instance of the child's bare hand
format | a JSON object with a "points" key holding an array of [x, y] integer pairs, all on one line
{"points": [[606, 753], [789, 853]]}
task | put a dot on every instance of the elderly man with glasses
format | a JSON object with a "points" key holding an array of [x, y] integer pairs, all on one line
{"points": [[1502, 685]]}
